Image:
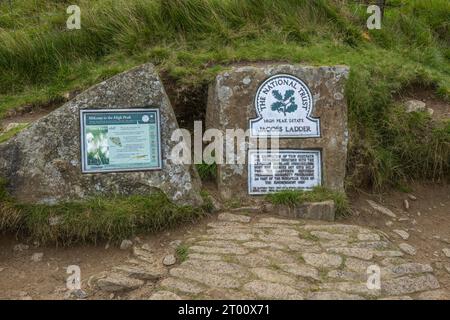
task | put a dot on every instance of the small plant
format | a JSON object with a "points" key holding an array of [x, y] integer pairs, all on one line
{"points": [[182, 252], [308, 236], [274, 266], [323, 273], [342, 266], [295, 198], [10, 217], [208, 205], [206, 171], [300, 258], [288, 198]]}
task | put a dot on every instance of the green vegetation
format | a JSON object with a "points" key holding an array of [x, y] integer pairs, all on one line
{"points": [[207, 171], [191, 40], [294, 198], [11, 133], [93, 220], [208, 205], [413, 144], [182, 252]]}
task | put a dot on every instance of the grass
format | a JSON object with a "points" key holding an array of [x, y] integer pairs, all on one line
{"points": [[190, 41], [182, 252], [295, 198], [208, 205], [300, 258], [308, 236], [207, 172], [11, 133], [112, 219]]}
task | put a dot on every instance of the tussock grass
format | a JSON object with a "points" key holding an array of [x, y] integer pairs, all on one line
{"points": [[112, 219], [29, 57], [295, 198]]}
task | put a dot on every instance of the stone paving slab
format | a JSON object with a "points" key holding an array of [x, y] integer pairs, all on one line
{"points": [[244, 257]]}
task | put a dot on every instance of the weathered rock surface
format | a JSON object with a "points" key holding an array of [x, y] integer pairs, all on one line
{"points": [[273, 266], [407, 268], [37, 257], [213, 280], [381, 209], [434, 295], [270, 290], [368, 237], [126, 244], [301, 270], [322, 260], [267, 274], [359, 253], [169, 260], [164, 295], [446, 252], [42, 163], [402, 234], [116, 282], [333, 295], [77, 294], [230, 106], [407, 248], [417, 106], [142, 272], [182, 285], [20, 247], [234, 217], [406, 285], [324, 210]]}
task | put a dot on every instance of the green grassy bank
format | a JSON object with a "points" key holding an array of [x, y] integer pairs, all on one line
{"points": [[98, 219]]}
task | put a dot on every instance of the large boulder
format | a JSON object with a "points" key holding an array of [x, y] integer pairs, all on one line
{"points": [[42, 163], [233, 99]]}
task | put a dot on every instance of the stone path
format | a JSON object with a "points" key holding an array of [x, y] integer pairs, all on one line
{"points": [[267, 257]]}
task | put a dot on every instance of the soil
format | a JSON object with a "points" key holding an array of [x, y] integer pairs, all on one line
{"points": [[30, 113], [427, 221], [24, 118], [441, 108], [22, 278]]}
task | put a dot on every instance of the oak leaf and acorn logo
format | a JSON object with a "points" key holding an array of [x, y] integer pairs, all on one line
{"points": [[285, 103]]}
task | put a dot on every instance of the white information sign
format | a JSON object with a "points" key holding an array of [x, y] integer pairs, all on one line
{"points": [[272, 171], [284, 105]]}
